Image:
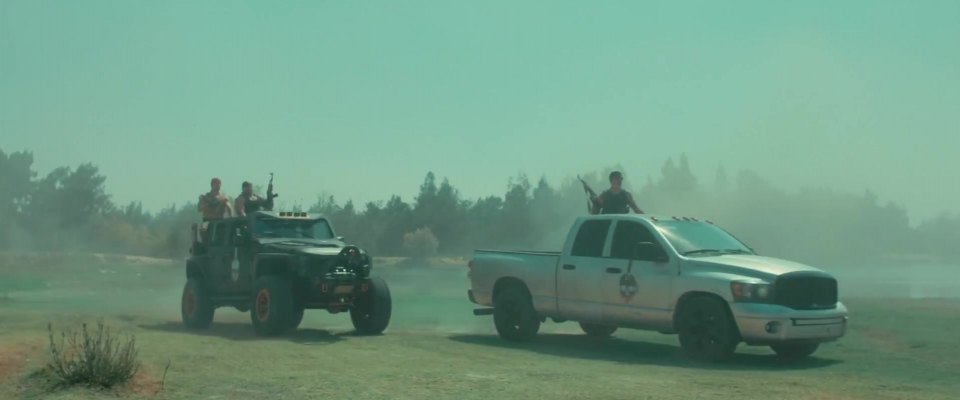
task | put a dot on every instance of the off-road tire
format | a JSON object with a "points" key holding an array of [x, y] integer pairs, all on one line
{"points": [[707, 330], [514, 315], [272, 307], [196, 309], [794, 351], [597, 330], [371, 311]]}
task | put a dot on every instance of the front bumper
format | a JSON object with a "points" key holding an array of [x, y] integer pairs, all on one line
{"points": [[770, 323]]}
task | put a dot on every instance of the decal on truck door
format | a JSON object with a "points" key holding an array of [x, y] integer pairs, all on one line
{"points": [[235, 266], [628, 286]]}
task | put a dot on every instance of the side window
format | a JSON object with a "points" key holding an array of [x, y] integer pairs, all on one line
{"points": [[625, 238], [590, 239], [220, 234]]}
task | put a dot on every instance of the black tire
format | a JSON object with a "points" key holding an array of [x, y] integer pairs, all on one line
{"points": [[794, 351], [272, 308], [514, 315], [707, 330], [371, 312], [296, 318], [196, 309], [597, 330]]}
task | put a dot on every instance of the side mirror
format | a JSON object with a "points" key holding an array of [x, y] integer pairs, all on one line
{"points": [[649, 251], [340, 238]]}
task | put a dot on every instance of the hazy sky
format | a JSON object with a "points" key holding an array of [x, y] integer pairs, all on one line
{"points": [[361, 100]]}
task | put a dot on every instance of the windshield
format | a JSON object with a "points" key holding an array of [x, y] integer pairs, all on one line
{"points": [[292, 228], [690, 238]]}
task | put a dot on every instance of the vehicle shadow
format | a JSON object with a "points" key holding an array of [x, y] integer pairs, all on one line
{"points": [[244, 332], [637, 352]]}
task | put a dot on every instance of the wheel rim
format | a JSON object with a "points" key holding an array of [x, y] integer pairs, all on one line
{"points": [[263, 305], [511, 314], [704, 330], [189, 303]]}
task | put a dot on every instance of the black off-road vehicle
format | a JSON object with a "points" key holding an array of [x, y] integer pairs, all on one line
{"points": [[277, 264]]}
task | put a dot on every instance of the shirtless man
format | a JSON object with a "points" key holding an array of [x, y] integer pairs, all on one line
{"points": [[214, 204]]}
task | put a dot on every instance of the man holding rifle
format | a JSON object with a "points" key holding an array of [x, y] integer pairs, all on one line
{"points": [[248, 202], [614, 200]]}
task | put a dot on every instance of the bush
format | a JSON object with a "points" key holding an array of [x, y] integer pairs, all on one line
{"points": [[99, 358], [420, 244]]}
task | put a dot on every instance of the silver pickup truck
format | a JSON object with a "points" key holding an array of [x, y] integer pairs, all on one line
{"points": [[672, 275]]}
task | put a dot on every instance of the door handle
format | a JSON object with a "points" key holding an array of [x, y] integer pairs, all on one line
{"points": [[569, 266], [614, 270]]}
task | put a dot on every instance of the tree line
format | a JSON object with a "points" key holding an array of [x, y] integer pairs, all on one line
{"points": [[69, 210]]}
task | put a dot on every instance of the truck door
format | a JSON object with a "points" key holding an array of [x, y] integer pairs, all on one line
{"points": [[241, 268], [221, 257], [636, 289], [580, 271]]}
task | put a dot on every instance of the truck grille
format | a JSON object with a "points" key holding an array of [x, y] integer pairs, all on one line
{"points": [[806, 292]]}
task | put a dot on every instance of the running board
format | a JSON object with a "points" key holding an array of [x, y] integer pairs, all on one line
{"points": [[482, 311]]}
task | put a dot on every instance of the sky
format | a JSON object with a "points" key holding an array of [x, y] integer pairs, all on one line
{"points": [[362, 99]]}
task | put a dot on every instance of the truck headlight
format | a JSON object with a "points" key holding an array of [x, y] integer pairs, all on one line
{"points": [[757, 292]]}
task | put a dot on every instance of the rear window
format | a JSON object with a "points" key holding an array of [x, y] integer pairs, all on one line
{"points": [[590, 239]]}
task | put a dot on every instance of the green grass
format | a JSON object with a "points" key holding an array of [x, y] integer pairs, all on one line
{"points": [[435, 348]]}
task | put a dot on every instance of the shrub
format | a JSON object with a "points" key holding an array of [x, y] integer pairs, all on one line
{"points": [[98, 358], [420, 244]]}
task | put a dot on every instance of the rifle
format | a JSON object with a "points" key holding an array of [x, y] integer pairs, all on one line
{"points": [[270, 194], [591, 195]]}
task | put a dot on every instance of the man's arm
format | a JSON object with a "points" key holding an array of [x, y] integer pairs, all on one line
{"points": [[200, 204], [633, 204], [597, 203], [239, 205], [229, 207]]}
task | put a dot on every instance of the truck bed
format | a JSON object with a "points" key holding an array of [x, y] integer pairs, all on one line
{"points": [[536, 268], [530, 252]]}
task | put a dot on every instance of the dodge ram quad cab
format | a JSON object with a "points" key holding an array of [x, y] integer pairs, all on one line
{"points": [[277, 264], [672, 275]]}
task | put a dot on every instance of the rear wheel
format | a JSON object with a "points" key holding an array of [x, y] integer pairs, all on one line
{"points": [[272, 308], [794, 351], [706, 329], [597, 330], [371, 311], [514, 315], [196, 309]]}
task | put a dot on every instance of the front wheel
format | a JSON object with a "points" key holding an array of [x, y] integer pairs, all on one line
{"points": [[296, 318], [706, 329], [597, 330], [794, 351], [514, 315], [371, 311], [272, 308], [196, 309]]}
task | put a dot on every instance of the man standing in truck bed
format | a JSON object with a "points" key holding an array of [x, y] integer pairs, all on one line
{"points": [[615, 200], [214, 204], [248, 202]]}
